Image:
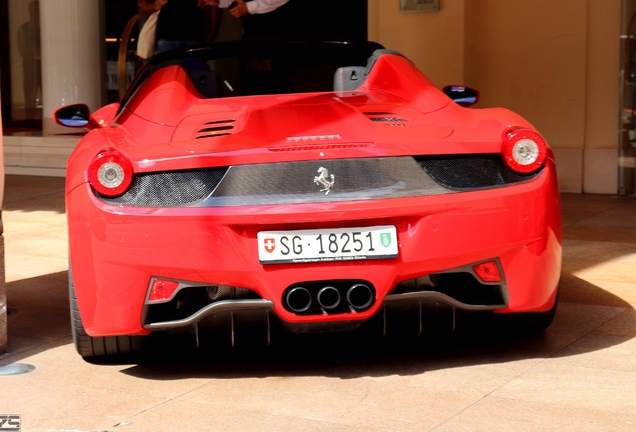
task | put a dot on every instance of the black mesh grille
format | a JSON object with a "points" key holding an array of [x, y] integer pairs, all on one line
{"points": [[169, 189], [470, 172]]}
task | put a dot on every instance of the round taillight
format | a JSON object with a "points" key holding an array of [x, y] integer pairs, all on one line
{"points": [[524, 150], [110, 173]]}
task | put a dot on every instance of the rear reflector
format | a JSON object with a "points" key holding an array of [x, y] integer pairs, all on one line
{"points": [[162, 289], [488, 271]]}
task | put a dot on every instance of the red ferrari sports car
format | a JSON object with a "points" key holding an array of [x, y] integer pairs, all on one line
{"points": [[318, 184]]}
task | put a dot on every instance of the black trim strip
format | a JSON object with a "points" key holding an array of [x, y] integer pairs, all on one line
{"points": [[213, 136], [217, 128], [214, 308], [219, 122]]}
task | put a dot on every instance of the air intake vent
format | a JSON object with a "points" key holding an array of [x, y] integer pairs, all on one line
{"points": [[388, 118], [216, 129], [470, 172], [169, 189]]}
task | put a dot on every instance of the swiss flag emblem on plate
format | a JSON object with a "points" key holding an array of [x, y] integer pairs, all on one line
{"points": [[269, 244]]}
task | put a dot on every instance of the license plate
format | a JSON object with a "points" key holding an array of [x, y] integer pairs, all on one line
{"points": [[327, 245]]}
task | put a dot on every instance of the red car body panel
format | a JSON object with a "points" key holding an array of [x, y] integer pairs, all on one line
{"points": [[115, 250]]}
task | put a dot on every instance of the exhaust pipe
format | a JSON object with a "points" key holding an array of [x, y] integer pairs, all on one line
{"points": [[328, 297], [298, 299], [360, 296]]}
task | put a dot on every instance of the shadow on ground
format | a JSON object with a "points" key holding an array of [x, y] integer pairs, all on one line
{"points": [[42, 323], [27, 193]]}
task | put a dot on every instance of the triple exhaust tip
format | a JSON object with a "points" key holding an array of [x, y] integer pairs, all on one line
{"points": [[298, 299], [359, 296]]}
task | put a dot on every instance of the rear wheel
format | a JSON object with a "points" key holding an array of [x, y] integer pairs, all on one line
{"points": [[88, 346], [531, 322]]}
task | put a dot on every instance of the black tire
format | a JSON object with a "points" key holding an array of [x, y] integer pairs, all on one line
{"points": [[88, 346], [529, 322]]}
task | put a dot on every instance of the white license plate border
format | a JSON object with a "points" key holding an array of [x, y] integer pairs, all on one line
{"points": [[349, 258]]}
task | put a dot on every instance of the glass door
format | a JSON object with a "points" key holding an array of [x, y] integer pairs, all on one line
{"points": [[627, 150]]}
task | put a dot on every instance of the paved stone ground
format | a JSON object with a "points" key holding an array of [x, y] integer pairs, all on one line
{"points": [[580, 374]]}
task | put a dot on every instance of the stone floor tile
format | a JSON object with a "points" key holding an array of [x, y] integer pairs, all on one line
{"points": [[57, 405], [60, 363], [608, 233], [494, 412], [564, 383], [600, 351], [187, 415], [29, 322], [623, 325], [354, 404], [611, 271], [598, 252], [620, 216]]}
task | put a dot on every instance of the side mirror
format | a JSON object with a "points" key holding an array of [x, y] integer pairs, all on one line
{"points": [[75, 116], [463, 96]]}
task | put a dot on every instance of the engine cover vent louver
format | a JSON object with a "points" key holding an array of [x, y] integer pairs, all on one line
{"points": [[169, 189], [387, 118], [216, 129]]}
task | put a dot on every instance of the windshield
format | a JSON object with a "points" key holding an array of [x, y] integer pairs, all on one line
{"points": [[260, 67]]}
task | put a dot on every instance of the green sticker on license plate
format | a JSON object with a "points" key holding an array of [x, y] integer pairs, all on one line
{"points": [[385, 239]]}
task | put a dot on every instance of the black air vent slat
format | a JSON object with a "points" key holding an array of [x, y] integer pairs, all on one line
{"points": [[219, 122], [387, 119], [213, 136], [470, 172], [216, 129]]}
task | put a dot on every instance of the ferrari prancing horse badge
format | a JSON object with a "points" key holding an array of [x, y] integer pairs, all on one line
{"points": [[323, 179]]}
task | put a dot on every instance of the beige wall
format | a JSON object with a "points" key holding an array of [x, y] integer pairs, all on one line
{"points": [[600, 154], [554, 62], [530, 57], [434, 41]]}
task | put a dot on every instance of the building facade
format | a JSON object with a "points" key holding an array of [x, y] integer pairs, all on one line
{"points": [[562, 65]]}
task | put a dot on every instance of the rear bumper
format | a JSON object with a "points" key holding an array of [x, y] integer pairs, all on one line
{"points": [[115, 251]]}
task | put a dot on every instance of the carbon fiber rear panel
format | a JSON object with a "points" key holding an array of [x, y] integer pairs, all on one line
{"points": [[293, 182], [300, 182]]}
